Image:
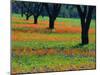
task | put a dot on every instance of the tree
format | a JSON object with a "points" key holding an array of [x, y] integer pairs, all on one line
{"points": [[26, 8], [85, 17], [33, 9], [53, 11], [37, 11]]}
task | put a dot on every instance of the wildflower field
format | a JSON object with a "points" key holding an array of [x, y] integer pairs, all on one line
{"points": [[35, 48]]}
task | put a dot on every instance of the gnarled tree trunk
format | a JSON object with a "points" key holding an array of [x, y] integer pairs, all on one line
{"points": [[85, 17], [51, 23], [53, 11]]}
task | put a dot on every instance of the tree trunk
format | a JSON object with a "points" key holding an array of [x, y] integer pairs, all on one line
{"points": [[35, 19], [86, 26], [53, 13], [85, 17], [84, 31], [51, 23], [84, 35], [27, 17]]}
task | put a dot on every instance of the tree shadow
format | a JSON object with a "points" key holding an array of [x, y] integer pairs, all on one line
{"points": [[80, 45]]}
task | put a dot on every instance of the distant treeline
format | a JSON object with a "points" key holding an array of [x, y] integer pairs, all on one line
{"points": [[66, 10]]}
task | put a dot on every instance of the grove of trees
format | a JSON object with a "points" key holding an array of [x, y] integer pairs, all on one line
{"points": [[52, 10]]}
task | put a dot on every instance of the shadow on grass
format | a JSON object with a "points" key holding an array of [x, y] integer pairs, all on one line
{"points": [[78, 46]]}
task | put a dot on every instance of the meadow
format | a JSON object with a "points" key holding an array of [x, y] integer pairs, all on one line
{"points": [[36, 49]]}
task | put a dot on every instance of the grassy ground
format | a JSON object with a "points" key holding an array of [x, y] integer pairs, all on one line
{"points": [[37, 49]]}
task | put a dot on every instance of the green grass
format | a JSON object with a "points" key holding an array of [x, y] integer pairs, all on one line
{"points": [[61, 45], [45, 44], [39, 60], [31, 62]]}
